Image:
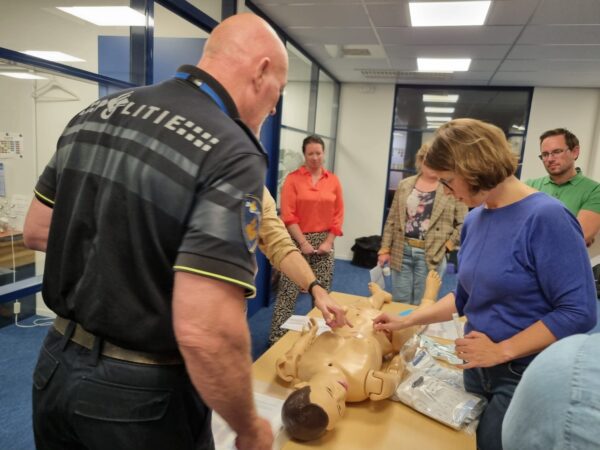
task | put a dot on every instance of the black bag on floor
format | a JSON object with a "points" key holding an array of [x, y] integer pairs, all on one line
{"points": [[365, 251]]}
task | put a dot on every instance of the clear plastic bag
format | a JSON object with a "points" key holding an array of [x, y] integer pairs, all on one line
{"points": [[439, 400]]}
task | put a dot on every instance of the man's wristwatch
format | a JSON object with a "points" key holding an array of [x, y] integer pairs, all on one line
{"points": [[311, 286]]}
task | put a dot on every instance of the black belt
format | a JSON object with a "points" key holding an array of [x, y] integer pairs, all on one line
{"points": [[86, 339]]}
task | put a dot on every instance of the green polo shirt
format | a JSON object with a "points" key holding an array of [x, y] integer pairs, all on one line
{"points": [[578, 193]]}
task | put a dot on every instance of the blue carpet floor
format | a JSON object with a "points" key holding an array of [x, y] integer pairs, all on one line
{"points": [[20, 346]]}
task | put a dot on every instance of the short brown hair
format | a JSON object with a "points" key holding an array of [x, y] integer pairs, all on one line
{"points": [[313, 139], [570, 138], [475, 150], [302, 419]]}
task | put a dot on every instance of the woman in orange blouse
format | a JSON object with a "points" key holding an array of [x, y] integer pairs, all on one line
{"points": [[312, 209]]}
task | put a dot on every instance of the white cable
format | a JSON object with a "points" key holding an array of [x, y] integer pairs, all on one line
{"points": [[40, 322]]}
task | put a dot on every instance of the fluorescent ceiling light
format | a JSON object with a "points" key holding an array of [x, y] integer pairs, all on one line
{"points": [[519, 127], [431, 98], [448, 14], [443, 64], [438, 119], [435, 125], [53, 56], [23, 75], [438, 109], [107, 16]]}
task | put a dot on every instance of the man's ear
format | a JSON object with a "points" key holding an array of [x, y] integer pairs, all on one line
{"points": [[575, 151], [261, 70]]}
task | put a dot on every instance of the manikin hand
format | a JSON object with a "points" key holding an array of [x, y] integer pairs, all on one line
{"points": [[478, 350], [324, 248], [259, 437], [382, 260], [334, 314]]}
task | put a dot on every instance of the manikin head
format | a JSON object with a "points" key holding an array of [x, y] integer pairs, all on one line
{"points": [[471, 158], [315, 407], [246, 56], [559, 149]]}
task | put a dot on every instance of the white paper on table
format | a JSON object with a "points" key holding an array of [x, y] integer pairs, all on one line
{"points": [[268, 408], [376, 274], [19, 207], [297, 323]]}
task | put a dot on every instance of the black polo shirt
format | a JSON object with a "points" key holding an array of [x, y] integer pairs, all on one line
{"points": [[145, 182]]}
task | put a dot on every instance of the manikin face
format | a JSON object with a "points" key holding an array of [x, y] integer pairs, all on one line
{"points": [[556, 156], [456, 186], [330, 394], [313, 156]]}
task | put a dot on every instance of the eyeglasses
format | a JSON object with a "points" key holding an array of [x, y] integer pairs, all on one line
{"points": [[556, 152], [446, 184]]}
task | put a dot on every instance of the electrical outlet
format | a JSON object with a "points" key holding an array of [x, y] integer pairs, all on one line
{"points": [[16, 307]]}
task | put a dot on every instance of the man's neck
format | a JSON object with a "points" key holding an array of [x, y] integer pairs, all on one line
{"points": [[564, 177]]}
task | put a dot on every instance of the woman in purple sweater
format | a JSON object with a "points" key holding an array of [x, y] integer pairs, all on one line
{"points": [[525, 278]]}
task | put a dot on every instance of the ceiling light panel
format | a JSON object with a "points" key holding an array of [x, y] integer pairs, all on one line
{"points": [[448, 14], [443, 64], [433, 119], [107, 16], [53, 56], [23, 75], [438, 109], [432, 98]]}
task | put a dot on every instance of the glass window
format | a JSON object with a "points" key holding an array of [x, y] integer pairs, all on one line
{"points": [[327, 106], [176, 42], [290, 155], [420, 111], [33, 114], [211, 8], [34, 26], [296, 98]]}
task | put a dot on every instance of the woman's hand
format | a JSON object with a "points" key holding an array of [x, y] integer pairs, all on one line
{"points": [[478, 350], [382, 260], [385, 322], [307, 249], [324, 248]]}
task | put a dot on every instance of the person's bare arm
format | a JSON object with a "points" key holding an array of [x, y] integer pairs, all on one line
{"points": [[296, 233], [209, 319], [590, 224], [37, 226], [480, 351], [441, 311]]}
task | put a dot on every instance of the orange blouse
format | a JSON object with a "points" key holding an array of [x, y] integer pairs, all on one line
{"points": [[314, 208]]}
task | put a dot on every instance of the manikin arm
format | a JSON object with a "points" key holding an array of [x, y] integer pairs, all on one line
{"points": [[287, 365], [382, 384]]}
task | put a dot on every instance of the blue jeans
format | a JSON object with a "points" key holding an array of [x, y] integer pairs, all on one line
{"points": [[497, 385], [408, 284], [557, 404], [83, 400]]}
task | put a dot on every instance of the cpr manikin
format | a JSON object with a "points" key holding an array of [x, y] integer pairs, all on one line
{"points": [[343, 365]]}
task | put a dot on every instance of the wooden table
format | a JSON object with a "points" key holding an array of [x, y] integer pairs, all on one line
{"points": [[366, 425]]}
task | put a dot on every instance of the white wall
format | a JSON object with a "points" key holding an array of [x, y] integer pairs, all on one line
{"points": [[361, 160], [364, 132]]}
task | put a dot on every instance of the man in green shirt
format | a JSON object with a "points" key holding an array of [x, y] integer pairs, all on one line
{"points": [[581, 195]]}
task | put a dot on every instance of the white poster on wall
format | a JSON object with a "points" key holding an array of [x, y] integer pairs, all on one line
{"points": [[11, 145]]}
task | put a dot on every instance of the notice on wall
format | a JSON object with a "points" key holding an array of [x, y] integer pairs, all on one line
{"points": [[11, 145], [2, 181]]}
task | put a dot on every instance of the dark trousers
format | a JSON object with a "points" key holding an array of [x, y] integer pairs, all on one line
{"points": [[497, 384], [83, 400]]}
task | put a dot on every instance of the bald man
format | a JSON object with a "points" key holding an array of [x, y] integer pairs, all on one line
{"points": [[149, 215]]}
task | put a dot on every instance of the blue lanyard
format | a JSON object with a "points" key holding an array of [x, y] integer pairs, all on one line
{"points": [[204, 87]]}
